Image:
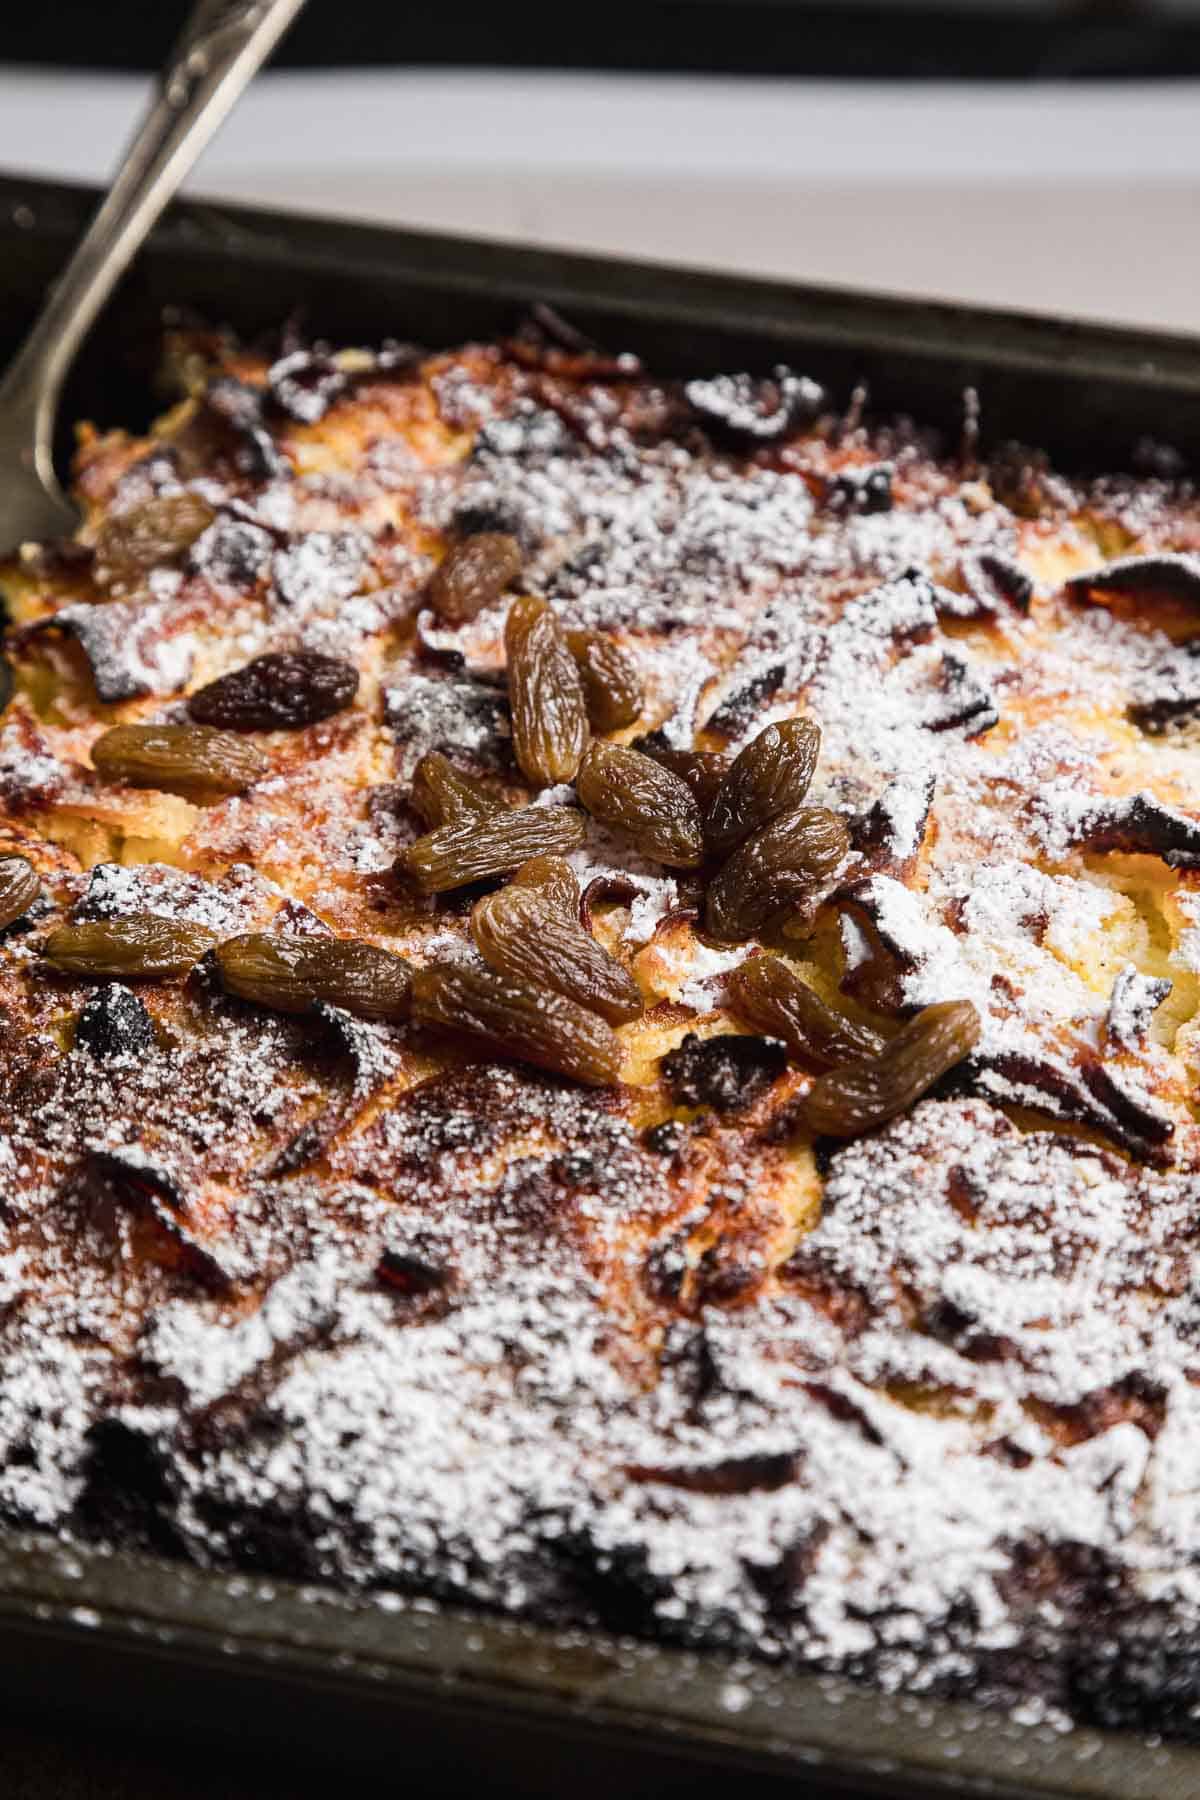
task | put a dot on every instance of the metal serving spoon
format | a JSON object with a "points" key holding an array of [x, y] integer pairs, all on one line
{"points": [[222, 46]]}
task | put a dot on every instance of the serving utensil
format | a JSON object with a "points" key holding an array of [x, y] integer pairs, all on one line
{"points": [[222, 46]]}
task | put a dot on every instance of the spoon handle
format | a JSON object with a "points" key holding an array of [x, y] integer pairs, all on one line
{"points": [[222, 45]]}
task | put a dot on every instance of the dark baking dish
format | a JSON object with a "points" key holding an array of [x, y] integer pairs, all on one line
{"points": [[1091, 394]]}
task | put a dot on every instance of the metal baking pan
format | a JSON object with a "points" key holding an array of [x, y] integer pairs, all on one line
{"points": [[127, 1641]]}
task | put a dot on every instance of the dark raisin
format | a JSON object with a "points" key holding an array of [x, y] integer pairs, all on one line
{"points": [[517, 1019], [545, 692], [193, 760], [726, 1072], [774, 872], [114, 1022], [472, 848], [524, 931], [278, 692], [859, 1096], [770, 776], [474, 573], [766, 993], [611, 684], [621, 787]]}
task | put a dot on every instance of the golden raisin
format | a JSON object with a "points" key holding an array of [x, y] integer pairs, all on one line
{"points": [[612, 686], [517, 1019], [702, 770], [621, 787], [474, 572], [291, 973], [555, 877], [766, 993], [472, 848], [443, 795], [129, 544], [19, 888], [178, 759], [545, 694], [523, 932], [770, 776], [136, 947], [861, 1095], [778, 869]]}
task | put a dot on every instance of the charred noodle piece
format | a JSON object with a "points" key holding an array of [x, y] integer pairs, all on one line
{"points": [[279, 692], [19, 888], [1176, 575], [770, 776], [545, 695], [1084, 1092], [474, 573], [859, 1096], [192, 760], [988, 573], [890, 832], [776, 870], [444, 795], [1169, 693], [1138, 824], [746, 412], [472, 849], [292, 973], [766, 993], [612, 686], [130, 544], [141, 946], [622, 788], [702, 770], [523, 932], [516, 1019]]}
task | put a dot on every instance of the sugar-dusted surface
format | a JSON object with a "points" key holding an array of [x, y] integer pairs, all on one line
{"points": [[313, 1295]]}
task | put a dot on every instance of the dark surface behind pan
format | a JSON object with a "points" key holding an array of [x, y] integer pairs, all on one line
{"points": [[423, 1698]]}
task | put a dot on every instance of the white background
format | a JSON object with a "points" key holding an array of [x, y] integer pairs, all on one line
{"points": [[1081, 198]]}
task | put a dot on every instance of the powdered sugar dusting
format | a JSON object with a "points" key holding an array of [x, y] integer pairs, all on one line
{"points": [[370, 1307]]}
